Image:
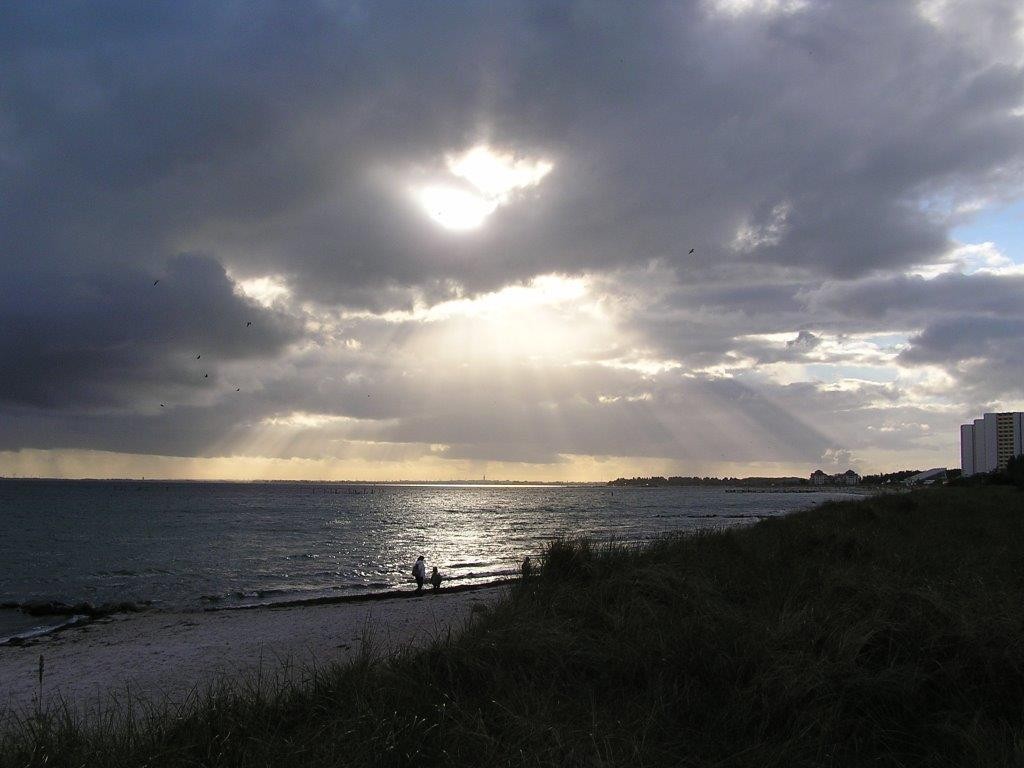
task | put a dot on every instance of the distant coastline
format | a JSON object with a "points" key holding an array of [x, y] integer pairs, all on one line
{"points": [[890, 479], [855, 490]]}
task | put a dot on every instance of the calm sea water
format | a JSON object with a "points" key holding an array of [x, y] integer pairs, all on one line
{"points": [[188, 545]]}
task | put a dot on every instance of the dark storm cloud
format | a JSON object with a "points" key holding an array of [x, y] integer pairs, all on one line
{"points": [[800, 154], [696, 323], [963, 338], [968, 325], [985, 352], [253, 130], [115, 339], [908, 299]]}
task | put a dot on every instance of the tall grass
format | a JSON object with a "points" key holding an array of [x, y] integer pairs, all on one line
{"points": [[885, 632]]}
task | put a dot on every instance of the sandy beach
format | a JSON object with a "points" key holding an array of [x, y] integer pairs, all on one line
{"points": [[159, 656]]}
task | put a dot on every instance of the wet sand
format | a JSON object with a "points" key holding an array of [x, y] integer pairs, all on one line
{"points": [[168, 657]]}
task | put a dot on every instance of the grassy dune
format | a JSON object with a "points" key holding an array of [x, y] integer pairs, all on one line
{"points": [[888, 631]]}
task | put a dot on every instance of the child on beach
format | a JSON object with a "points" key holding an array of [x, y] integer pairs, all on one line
{"points": [[419, 572], [435, 578]]}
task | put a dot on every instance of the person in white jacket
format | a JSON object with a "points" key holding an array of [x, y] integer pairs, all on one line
{"points": [[419, 572]]}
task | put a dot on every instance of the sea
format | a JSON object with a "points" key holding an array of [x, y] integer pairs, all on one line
{"points": [[193, 545]]}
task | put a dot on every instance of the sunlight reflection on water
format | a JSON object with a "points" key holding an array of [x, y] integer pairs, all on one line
{"points": [[190, 544]]}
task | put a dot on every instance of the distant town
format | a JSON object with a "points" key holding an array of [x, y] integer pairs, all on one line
{"points": [[991, 449], [816, 478]]}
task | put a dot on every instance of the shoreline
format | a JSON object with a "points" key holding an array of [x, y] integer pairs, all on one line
{"points": [[72, 616], [851, 490], [171, 657], [367, 597]]}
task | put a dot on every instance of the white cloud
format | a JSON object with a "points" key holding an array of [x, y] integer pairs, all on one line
{"points": [[750, 237], [840, 458], [934, 11], [266, 290], [761, 7], [494, 177], [969, 259], [497, 174], [549, 290], [644, 365], [303, 420], [961, 21]]}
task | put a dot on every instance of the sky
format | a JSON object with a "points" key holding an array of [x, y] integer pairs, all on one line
{"points": [[520, 240]]}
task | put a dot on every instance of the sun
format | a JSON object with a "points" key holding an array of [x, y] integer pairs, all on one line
{"points": [[454, 208], [480, 180]]}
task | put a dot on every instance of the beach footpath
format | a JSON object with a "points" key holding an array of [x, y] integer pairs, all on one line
{"points": [[165, 657]]}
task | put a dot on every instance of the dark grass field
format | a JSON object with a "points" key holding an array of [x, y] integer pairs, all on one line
{"points": [[883, 632]]}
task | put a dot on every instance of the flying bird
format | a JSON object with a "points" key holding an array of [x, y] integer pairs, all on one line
{"points": [[238, 389], [161, 405], [206, 375], [692, 250], [156, 281], [198, 356], [248, 324]]}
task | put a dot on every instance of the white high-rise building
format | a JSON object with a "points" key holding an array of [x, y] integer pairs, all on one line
{"points": [[988, 443]]}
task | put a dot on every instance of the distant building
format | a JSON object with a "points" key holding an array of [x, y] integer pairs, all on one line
{"points": [[849, 477], [928, 477], [988, 443]]}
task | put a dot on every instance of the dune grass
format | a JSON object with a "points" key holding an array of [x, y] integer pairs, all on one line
{"points": [[888, 631]]}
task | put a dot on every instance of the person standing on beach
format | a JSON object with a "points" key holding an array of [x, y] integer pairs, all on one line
{"points": [[419, 572], [527, 568], [435, 578]]}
